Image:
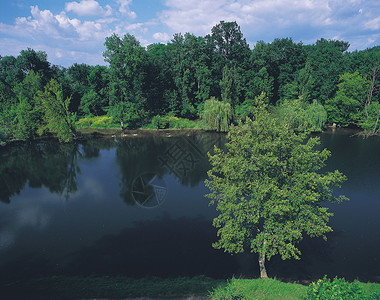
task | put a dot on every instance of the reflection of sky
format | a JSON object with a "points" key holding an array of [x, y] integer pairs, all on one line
{"points": [[37, 221]]}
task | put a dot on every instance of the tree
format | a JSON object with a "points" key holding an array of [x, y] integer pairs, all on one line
{"points": [[57, 117], [229, 85], [325, 60], [128, 62], [346, 107], [28, 114], [269, 189], [300, 115], [217, 114]]}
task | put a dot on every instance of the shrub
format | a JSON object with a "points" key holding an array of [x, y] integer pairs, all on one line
{"points": [[98, 121], [336, 289], [159, 122], [170, 121]]}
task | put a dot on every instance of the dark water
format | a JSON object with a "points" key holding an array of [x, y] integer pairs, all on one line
{"points": [[135, 207]]}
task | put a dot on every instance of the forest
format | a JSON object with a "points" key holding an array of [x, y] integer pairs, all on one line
{"points": [[209, 82]]}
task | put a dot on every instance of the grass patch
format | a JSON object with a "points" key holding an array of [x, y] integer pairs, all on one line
{"points": [[268, 289], [271, 289]]}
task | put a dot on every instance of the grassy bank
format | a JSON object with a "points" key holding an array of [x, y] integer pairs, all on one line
{"points": [[271, 289]]}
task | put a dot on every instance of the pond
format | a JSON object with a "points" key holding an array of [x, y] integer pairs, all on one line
{"points": [[135, 207]]}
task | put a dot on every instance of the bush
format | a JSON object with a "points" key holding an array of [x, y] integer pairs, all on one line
{"points": [[170, 121], [337, 289], [98, 122]]}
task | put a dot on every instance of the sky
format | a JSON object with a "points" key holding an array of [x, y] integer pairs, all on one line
{"points": [[75, 31]]}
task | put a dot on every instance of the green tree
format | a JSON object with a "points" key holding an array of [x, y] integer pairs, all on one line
{"points": [[57, 118], [347, 106], [128, 63], [269, 189], [325, 60], [217, 114], [28, 114], [302, 116], [230, 85]]}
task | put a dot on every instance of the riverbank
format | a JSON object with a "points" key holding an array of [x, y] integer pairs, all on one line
{"points": [[199, 287]]}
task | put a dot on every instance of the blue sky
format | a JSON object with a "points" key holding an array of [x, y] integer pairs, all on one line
{"points": [[74, 31]]}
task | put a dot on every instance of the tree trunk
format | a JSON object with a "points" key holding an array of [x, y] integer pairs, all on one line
{"points": [[122, 125], [263, 271]]}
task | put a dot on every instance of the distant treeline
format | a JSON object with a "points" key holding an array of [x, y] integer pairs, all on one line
{"points": [[177, 78]]}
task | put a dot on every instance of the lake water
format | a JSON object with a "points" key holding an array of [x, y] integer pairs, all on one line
{"points": [[135, 207]]}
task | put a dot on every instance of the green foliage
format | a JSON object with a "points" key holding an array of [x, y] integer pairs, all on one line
{"points": [[268, 188], [302, 116], [178, 77], [346, 107], [3, 136], [370, 118], [229, 85], [325, 289], [28, 112], [172, 122], [324, 65], [97, 122], [57, 118], [217, 114]]}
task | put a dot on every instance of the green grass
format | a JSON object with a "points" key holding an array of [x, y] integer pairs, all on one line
{"points": [[271, 289], [268, 289]]}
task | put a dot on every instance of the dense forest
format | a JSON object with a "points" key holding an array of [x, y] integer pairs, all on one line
{"points": [[216, 78]]}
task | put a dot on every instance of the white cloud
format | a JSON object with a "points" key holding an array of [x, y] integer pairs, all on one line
{"points": [[88, 8], [53, 29], [124, 8], [200, 16], [373, 24], [161, 37]]}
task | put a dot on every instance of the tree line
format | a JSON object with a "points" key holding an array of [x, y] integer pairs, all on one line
{"points": [[320, 83]]}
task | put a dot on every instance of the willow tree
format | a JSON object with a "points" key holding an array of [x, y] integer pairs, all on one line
{"points": [[217, 114], [268, 188]]}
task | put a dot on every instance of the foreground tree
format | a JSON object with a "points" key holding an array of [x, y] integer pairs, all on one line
{"points": [[269, 190]]}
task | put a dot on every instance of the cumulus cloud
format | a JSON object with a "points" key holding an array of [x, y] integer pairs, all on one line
{"points": [[124, 8], [88, 8], [306, 20], [53, 29], [200, 16], [161, 37]]}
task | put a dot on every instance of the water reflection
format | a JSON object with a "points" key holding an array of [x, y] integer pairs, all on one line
{"points": [[48, 164], [56, 166]]}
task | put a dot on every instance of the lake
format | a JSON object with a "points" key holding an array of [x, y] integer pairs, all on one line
{"points": [[135, 207]]}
